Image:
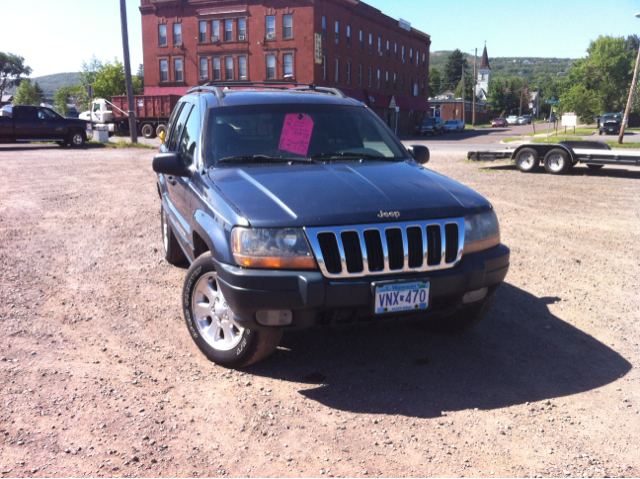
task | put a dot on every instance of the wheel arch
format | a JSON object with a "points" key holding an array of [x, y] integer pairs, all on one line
{"points": [[209, 235]]}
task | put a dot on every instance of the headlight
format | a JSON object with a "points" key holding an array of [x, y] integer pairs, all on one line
{"points": [[481, 232], [272, 248]]}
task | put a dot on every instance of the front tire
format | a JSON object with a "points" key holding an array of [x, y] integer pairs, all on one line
{"points": [[212, 324], [527, 160], [172, 251], [557, 162], [77, 139], [462, 320]]}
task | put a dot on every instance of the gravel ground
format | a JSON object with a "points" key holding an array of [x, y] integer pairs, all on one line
{"points": [[98, 375]]}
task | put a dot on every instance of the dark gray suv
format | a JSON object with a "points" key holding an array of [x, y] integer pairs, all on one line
{"points": [[298, 208]]}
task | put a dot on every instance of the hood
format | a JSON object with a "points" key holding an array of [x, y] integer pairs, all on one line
{"points": [[342, 194]]}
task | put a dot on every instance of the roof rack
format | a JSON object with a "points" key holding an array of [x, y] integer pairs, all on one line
{"points": [[217, 88]]}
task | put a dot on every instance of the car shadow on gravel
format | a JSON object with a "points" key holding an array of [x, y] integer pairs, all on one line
{"points": [[519, 353], [580, 170]]}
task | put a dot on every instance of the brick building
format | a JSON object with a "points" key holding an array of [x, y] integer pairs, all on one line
{"points": [[347, 44]]}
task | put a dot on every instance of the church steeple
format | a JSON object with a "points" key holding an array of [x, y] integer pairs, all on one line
{"points": [[484, 75], [484, 64]]}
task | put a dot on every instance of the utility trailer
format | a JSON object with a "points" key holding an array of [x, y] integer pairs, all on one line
{"points": [[560, 157]]}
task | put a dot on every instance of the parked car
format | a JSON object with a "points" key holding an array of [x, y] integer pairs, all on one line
{"points": [[610, 123], [453, 126], [521, 121], [24, 123], [512, 120], [552, 119], [430, 125], [527, 119], [301, 209], [499, 122]]}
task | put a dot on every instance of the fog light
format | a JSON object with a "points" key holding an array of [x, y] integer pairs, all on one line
{"points": [[274, 318], [475, 296]]}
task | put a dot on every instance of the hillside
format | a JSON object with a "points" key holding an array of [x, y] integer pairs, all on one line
{"points": [[50, 83], [507, 67]]}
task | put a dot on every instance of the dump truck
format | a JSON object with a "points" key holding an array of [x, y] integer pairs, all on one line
{"points": [[152, 113]]}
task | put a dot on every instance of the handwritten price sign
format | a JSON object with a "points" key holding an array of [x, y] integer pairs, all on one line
{"points": [[296, 133]]}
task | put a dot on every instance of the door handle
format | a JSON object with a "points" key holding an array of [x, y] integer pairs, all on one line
{"points": [[171, 180]]}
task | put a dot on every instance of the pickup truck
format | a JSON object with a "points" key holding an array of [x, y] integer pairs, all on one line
{"points": [[24, 123]]}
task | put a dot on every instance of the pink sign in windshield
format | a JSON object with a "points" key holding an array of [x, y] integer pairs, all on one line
{"points": [[296, 133]]}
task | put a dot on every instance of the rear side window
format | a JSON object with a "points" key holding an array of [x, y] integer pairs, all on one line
{"points": [[190, 136], [179, 126]]}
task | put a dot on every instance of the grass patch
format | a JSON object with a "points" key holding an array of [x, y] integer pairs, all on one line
{"points": [[120, 144], [510, 140], [614, 144], [556, 139]]}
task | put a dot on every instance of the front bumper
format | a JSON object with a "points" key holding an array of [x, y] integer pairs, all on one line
{"points": [[317, 301]]}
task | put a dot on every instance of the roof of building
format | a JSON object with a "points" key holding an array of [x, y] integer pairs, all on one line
{"points": [[484, 64]]}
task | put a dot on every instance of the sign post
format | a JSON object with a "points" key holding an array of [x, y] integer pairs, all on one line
{"points": [[551, 102], [397, 111]]}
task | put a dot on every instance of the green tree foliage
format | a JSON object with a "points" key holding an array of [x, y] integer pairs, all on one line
{"points": [[604, 75], [435, 82], [140, 73], [61, 98], [12, 71], [26, 94], [468, 87], [496, 96], [453, 69], [39, 92]]}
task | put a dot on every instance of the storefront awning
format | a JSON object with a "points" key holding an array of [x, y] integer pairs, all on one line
{"points": [[378, 100], [166, 90]]}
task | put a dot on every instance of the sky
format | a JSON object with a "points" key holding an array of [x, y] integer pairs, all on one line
{"points": [[56, 36]]}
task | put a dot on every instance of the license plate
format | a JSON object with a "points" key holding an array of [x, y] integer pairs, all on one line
{"points": [[395, 297]]}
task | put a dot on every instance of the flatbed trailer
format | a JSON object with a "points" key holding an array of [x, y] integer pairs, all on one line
{"points": [[558, 158]]}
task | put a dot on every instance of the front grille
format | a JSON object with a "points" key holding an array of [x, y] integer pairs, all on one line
{"points": [[364, 250]]}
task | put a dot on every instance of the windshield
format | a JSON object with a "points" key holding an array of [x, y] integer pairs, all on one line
{"points": [[451, 122], [429, 121], [612, 117], [298, 132]]}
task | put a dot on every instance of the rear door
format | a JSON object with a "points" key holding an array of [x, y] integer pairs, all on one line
{"points": [[25, 120]]}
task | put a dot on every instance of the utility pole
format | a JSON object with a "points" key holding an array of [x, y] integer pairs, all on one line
{"points": [[630, 101], [133, 130], [521, 96], [464, 104], [473, 113]]}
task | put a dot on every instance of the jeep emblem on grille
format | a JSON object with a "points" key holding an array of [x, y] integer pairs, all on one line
{"points": [[389, 214]]}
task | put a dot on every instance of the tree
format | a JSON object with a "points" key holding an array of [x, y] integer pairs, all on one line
{"points": [[61, 98], [12, 69], [140, 73], [468, 88], [453, 69], [26, 94], [435, 82], [111, 81], [39, 92], [496, 96], [606, 73]]}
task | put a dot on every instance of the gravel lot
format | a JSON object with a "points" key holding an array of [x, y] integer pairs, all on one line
{"points": [[99, 377]]}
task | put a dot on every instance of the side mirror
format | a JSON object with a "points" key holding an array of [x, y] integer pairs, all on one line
{"points": [[170, 164], [420, 153]]}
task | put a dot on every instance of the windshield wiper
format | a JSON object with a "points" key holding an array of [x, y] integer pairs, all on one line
{"points": [[347, 154], [261, 159]]}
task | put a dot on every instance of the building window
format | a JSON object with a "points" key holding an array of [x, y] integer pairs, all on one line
{"points": [[388, 49], [395, 82], [360, 75], [164, 70], [271, 27], [288, 65], [403, 54], [336, 75], [418, 59], [379, 46], [337, 32], [387, 81], [396, 51], [228, 67], [411, 56], [361, 41], [379, 80], [324, 67], [242, 68], [324, 28], [228, 30], [287, 26], [204, 69], [216, 69], [177, 33], [349, 36], [424, 60], [370, 77], [242, 29], [271, 67], [162, 35], [371, 44], [215, 30], [348, 73], [202, 36], [177, 70]]}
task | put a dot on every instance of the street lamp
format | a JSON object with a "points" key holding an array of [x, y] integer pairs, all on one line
{"points": [[631, 92]]}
